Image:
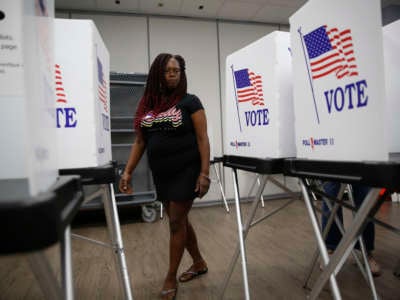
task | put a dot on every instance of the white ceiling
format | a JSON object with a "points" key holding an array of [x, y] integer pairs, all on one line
{"points": [[269, 11]]}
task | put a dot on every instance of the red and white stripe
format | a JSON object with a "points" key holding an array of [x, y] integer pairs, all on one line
{"points": [[253, 93], [61, 97], [103, 94], [340, 60]]}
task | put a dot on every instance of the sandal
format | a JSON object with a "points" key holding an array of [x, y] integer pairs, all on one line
{"points": [[190, 275], [165, 293]]}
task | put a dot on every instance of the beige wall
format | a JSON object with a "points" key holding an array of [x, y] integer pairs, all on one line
{"points": [[134, 41]]}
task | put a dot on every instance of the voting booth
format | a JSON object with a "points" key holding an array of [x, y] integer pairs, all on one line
{"points": [[82, 95], [27, 149], [36, 205], [258, 131], [339, 82], [258, 103], [344, 106], [391, 50], [82, 98]]}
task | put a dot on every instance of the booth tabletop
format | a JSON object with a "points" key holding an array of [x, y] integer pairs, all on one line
{"points": [[34, 223], [369, 173], [256, 165], [94, 175]]}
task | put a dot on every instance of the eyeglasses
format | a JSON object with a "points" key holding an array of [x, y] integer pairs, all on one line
{"points": [[173, 71]]}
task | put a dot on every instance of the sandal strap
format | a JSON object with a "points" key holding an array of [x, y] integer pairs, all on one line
{"points": [[189, 273], [166, 292]]}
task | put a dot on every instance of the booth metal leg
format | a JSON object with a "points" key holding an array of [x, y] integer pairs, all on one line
{"points": [[346, 244], [221, 187], [113, 225], [256, 181], [45, 276], [368, 274], [324, 234], [332, 217], [353, 252], [320, 240], [243, 231], [261, 197], [240, 232], [66, 265], [248, 224]]}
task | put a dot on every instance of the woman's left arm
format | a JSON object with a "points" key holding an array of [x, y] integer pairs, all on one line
{"points": [[200, 127]]}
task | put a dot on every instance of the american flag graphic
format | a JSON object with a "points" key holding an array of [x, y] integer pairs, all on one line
{"points": [[249, 87], [330, 51], [102, 85], [61, 97]]}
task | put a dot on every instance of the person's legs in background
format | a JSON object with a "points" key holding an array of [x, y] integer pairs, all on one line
{"points": [[333, 237], [360, 192]]}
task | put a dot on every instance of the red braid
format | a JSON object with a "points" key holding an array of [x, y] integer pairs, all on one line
{"points": [[154, 97]]}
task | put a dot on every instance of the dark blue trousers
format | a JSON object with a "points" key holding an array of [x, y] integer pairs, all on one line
{"points": [[334, 235]]}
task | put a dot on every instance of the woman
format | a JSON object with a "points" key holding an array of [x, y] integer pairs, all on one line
{"points": [[171, 125]]}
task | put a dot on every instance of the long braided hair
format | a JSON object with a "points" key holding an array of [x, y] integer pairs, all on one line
{"points": [[157, 97]]}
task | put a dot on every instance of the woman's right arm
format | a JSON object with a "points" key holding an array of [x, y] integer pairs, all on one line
{"points": [[137, 151]]}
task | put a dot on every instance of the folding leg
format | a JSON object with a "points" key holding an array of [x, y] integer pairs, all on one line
{"points": [[346, 244], [331, 218], [44, 273], [66, 265], [220, 187], [320, 240], [45, 276], [256, 181], [368, 274], [114, 229], [242, 231]]}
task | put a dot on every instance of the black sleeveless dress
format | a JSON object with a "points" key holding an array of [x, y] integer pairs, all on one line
{"points": [[172, 150]]}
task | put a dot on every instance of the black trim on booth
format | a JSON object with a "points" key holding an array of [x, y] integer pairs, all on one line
{"points": [[35, 223]]}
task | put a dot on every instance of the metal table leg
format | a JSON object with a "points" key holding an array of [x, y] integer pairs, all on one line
{"points": [[240, 232], [367, 275], [329, 223], [221, 188], [256, 181], [45, 276], [113, 225], [346, 244], [243, 231], [320, 241], [66, 265]]}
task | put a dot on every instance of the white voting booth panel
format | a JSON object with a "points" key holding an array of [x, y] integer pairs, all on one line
{"points": [[258, 104], [27, 118], [82, 95], [391, 50], [339, 88]]}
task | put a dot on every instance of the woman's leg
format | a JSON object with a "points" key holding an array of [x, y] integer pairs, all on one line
{"points": [[177, 213], [193, 248]]}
